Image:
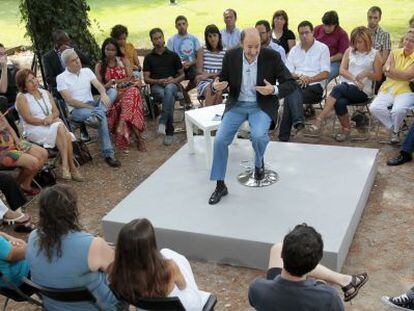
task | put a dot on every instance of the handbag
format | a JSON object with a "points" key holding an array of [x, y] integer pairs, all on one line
{"points": [[360, 119], [81, 152], [46, 176]]}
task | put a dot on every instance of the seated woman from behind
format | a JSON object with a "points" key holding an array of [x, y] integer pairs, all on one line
{"points": [[61, 255], [360, 66], [140, 270], [41, 123], [209, 61], [16, 152], [126, 114]]}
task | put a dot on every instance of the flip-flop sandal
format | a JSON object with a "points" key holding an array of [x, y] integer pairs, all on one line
{"points": [[23, 218], [27, 227], [362, 278]]}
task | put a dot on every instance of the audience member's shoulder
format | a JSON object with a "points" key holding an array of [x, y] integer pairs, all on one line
{"points": [[49, 54], [170, 254], [341, 31], [322, 46]]}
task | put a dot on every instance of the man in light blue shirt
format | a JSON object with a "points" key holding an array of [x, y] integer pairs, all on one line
{"points": [[265, 32], [186, 46], [230, 36]]}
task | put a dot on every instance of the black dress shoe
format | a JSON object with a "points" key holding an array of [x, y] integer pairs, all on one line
{"points": [[112, 162], [217, 194], [259, 173], [400, 159]]}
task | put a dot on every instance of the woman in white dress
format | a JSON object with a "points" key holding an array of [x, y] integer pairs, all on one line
{"points": [[41, 122], [360, 66], [140, 270]]}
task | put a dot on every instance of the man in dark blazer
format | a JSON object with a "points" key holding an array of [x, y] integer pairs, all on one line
{"points": [[251, 74], [52, 61]]}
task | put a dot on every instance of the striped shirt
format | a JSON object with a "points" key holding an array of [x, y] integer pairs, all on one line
{"points": [[381, 39], [212, 61]]}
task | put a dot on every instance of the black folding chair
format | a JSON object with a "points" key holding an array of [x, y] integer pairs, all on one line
{"points": [[22, 293], [75, 294], [171, 304]]}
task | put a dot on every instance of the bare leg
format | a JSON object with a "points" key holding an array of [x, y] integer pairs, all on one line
{"points": [[329, 106], [62, 145], [344, 120], [71, 163], [30, 166]]}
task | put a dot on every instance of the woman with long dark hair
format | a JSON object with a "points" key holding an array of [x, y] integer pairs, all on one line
{"points": [[209, 62], [126, 114], [61, 255], [281, 34], [140, 270]]}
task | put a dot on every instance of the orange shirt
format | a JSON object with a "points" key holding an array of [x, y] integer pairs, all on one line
{"points": [[129, 53]]}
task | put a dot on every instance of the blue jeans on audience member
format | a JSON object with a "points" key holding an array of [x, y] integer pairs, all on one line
{"points": [[292, 113], [98, 110], [166, 94], [408, 143], [334, 71], [259, 126]]}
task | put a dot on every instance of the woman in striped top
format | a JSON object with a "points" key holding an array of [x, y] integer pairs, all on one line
{"points": [[209, 61]]}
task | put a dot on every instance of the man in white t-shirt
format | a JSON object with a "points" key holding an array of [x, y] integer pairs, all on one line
{"points": [[186, 46], [309, 63], [74, 84]]}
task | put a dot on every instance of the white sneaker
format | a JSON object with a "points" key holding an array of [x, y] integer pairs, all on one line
{"points": [[161, 129], [395, 138]]}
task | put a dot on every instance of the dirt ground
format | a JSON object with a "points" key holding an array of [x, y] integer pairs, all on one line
{"points": [[383, 244]]}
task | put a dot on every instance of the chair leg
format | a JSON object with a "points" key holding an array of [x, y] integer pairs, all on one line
{"points": [[5, 304]]}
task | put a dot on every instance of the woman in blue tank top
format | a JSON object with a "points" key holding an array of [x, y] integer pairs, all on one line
{"points": [[61, 255]]}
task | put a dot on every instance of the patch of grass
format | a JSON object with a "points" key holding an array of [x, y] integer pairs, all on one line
{"points": [[142, 15]]}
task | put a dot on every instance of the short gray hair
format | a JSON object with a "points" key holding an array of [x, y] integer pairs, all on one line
{"points": [[66, 55]]}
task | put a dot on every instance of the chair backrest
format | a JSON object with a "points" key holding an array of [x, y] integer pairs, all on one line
{"points": [[161, 303], [18, 294], [63, 294]]}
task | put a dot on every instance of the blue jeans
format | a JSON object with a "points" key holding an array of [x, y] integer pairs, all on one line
{"points": [[408, 143], [334, 71], [347, 94], [166, 94], [98, 110], [259, 125], [292, 113]]}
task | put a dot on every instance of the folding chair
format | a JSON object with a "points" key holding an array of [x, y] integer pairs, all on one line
{"points": [[22, 293], [171, 304], [75, 294]]}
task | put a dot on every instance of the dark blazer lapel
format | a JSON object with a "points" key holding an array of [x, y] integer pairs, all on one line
{"points": [[260, 77], [238, 68]]}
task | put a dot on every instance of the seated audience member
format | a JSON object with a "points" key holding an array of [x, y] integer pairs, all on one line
{"points": [[402, 302], [209, 62], [407, 149], [74, 84], [8, 91], [292, 279], [335, 38], [230, 35], [163, 71], [281, 34], [126, 114], [410, 25], [54, 66], [381, 39], [15, 199], [308, 62], [266, 38], [120, 34], [12, 260], [360, 66], [141, 270], [186, 46], [61, 255], [395, 92], [16, 152], [52, 60], [41, 122]]}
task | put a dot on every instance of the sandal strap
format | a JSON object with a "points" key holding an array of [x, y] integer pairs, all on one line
{"points": [[353, 284]]}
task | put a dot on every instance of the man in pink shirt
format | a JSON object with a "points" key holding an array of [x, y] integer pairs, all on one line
{"points": [[335, 38]]}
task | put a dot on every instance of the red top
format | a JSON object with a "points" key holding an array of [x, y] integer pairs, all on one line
{"points": [[337, 41]]}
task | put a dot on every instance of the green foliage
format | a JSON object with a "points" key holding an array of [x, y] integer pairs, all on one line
{"points": [[43, 17]]}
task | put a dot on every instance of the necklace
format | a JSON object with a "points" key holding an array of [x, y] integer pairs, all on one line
{"points": [[45, 109]]}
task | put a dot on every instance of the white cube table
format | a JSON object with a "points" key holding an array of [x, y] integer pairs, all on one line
{"points": [[204, 119]]}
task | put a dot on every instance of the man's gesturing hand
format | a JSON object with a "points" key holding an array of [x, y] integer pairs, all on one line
{"points": [[268, 89], [219, 86]]}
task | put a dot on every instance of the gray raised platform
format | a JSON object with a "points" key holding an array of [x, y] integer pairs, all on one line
{"points": [[324, 186]]}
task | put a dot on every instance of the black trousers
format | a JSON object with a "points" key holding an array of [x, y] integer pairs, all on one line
{"points": [[11, 190]]}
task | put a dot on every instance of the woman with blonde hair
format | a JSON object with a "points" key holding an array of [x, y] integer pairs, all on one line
{"points": [[360, 66]]}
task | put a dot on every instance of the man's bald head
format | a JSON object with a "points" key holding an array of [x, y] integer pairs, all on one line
{"points": [[250, 39]]}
